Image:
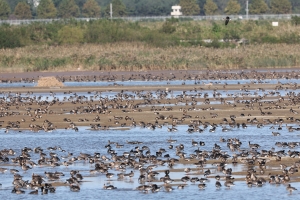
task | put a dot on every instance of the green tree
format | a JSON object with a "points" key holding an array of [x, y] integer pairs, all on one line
{"points": [[149, 8], [295, 6], [68, 9], [46, 9], [91, 9], [221, 5], [56, 3], [22, 11], [118, 9], [9, 38], [233, 7], [281, 6], [210, 7], [189, 7], [258, 7], [4, 9]]}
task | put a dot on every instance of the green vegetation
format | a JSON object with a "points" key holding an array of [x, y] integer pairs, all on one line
{"points": [[101, 8], [171, 44], [258, 7], [68, 9], [296, 20], [189, 7], [91, 9], [281, 6], [46, 10], [233, 7], [118, 9], [172, 32], [210, 7], [22, 11], [4, 9]]}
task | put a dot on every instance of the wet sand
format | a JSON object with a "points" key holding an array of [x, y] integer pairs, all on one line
{"points": [[212, 113]]}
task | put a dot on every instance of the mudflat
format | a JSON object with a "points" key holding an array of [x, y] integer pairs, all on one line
{"points": [[152, 106]]}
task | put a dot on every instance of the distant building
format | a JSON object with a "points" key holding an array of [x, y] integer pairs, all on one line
{"points": [[35, 3], [176, 11]]}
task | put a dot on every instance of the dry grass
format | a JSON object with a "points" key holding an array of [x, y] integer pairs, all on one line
{"points": [[139, 56]]}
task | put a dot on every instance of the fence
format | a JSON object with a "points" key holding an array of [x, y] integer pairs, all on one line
{"points": [[162, 18]]}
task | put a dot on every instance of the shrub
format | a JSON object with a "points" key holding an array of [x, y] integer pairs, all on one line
{"points": [[70, 35], [9, 38], [295, 20], [168, 27]]}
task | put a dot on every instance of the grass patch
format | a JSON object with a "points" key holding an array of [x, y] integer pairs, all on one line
{"points": [[140, 56]]}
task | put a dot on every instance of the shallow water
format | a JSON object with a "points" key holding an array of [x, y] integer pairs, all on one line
{"points": [[156, 83], [88, 141]]}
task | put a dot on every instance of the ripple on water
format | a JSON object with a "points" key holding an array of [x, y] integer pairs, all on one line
{"points": [[88, 141]]}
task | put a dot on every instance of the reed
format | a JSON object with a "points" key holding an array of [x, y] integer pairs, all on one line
{"points": [[135, 56]]}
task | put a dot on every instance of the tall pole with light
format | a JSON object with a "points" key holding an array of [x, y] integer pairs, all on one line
{"points": [[247, 10], [111, 12]]}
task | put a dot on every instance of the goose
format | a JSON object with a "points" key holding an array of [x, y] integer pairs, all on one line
{"points": [[74, 188], [194, 179], [171, 140], [44, 190], [109, 187], [2, 170], [18, 191], [194, 143], [109, 175], [253, 146], [130, 175], [202, 186], [228, 184], [147, 188], [168, 188], [180, 187], [207, 172], [34, 192], [185, 179], [202, 143], [218, 184], [290, 188], [187, 170], [275, 133]]}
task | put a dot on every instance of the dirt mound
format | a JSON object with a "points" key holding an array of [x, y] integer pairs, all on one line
{"points": [[50, 81]]}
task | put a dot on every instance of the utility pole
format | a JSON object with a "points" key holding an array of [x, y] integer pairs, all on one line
{"points": [[111, 11], [247, 10]]}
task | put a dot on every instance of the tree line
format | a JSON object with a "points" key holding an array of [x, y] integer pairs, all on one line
{"points": [[158, 34], [47, 9]]}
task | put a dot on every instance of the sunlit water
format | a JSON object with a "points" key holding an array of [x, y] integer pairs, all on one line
{"points": [[87, 141], [156, 83]]}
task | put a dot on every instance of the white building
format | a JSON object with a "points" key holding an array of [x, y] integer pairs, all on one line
{"points": [[35, 3], [176, 11]]}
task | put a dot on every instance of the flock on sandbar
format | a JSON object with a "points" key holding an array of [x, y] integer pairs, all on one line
{"points": [[254, 105]]}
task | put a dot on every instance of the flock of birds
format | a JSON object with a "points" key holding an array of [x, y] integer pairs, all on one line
{"points": [[214, 75], [141, 161]]}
